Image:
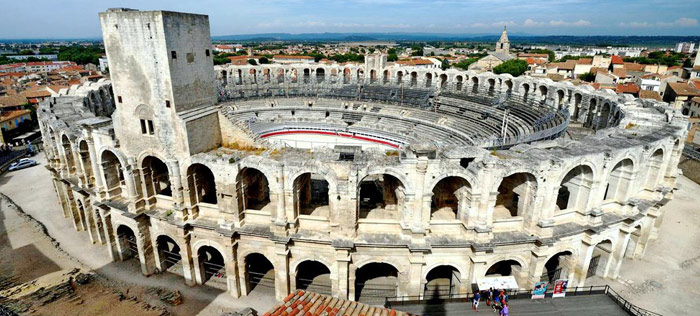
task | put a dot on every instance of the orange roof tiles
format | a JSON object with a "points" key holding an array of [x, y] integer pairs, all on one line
{"points": [[634, 67], [585, 61], [620, 72], [8, 115], [305, 303], [629, 88], [617, 60], [414, 62], [649, 94], [684, 89], [292, 57], [13, 100]]}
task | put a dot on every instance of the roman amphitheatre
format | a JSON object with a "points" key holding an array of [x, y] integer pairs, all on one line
{"points": [[359, 181]]}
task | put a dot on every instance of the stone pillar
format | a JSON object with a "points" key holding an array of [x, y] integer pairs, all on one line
{"points": [[232, 280], [186, 255], [413, 286], [584, 261], [145, 249], [538, 259], [340, 286], [618, 253], [96, 170], [176, 185], [281, 272]]}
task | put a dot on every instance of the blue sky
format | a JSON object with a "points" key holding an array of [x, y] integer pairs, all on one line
{"points": [[78, 18]]}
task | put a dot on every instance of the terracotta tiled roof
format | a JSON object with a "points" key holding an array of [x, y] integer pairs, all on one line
{"points": [[414, 62], [695, 99], [629, 88], [39, 93], [9, 115], [684, 89], [650, 94], [304, 303], [243, 57], [13, 100], [620, 72], [533, 55], [617, 60], [696, 83], [585, 61], [634, 67]]}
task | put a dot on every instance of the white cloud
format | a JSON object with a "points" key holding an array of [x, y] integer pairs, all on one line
{"points": [[681, 22], [532, 23]]}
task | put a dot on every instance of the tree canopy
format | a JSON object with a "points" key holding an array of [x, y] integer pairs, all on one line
{"points": [[588, 76], [81, 54], [543, 51], [464, 64], [515, 67]]}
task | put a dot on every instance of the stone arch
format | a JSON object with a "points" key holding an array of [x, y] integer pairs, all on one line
{"points": [[635, 245], [509, 267], [509, 85], [575, 188], [460, 82], [441, 281], [373, 76], [655, 162], [253, 189], [542, 91], [399, 77], [347, 75], [360, 74], [600, 258], [380, 196], [320, 75], [376, 279], [168, 252], [592, 108], [428, 79], [156, 177], [577, 106], [450, 195], [475, 84], [604, 115], [386, 76], [558, 266], [560, 98], [313, 275], [201, 183], [492, 84], [211, 263], [280, 75], [414, 79], [86, 161], [113, 173], [259, 272], [68, 153], [619, 180], [443, 81], [515, 195], [128, 245], [311, 195]]}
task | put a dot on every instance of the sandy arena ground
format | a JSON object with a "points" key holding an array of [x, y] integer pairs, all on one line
{"points": [[665, 281]]}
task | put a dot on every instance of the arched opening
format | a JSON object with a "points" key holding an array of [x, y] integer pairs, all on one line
{"points": [[380, 197], [68, 152], [509, 86], [574, 190], [604, 116], [558, 267], [84, 153], [360, 75], [313, 276], [266, 75], [475, 85], [443, 81], [441, 282], [311, 195], [294, 75], [253, 189], [525, 91], [514, 195], [591, 113], [460, 82], [372, 76], [307, 75], [127, 243], [375, 281], [654, 170], [239, 79], [492, 85], [542, 92], [202, 184], [253, 75], [280, 75], [599, 259], [224, 77], [386, 77], [211, 265], [507, 268], [155, 175], [448, 194], [414, 79], [346, 75], [619, 181], [88, 220], [577, 106], [320, 75], [169, 255], [428, 80], [114, 175], [560, 99], [399, 77], [259, 273], [634, 247]]}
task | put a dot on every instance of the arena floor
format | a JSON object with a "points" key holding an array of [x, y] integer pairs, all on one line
{"points": [[315, 140]]}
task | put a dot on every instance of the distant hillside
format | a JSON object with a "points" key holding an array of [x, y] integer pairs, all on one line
{"points": [[515, 38]]}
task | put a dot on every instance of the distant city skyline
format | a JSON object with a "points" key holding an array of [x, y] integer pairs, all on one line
{"points": [[78, 18]]}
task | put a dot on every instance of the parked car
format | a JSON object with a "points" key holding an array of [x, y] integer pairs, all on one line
{"points": [[22, 163]]}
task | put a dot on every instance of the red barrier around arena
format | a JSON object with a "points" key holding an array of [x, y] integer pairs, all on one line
{"points": [[332, 134]]}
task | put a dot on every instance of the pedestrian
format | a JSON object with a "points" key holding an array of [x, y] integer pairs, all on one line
{"points": [[475, 302], [489, 296], [505, 310]]}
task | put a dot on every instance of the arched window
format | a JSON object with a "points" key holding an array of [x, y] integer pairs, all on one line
{"points": [[448, 194], [514, 195], [253, 190], [311, 195], [380, 197], [202, 184]]}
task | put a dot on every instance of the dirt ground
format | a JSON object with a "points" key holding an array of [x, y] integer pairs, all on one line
{"points": [[665, 281]]}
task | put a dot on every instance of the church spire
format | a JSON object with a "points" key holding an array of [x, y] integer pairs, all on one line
{"points": [[503, 44]]}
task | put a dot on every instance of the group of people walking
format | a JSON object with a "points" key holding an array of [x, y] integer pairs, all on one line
{"points": [[496, 299]]}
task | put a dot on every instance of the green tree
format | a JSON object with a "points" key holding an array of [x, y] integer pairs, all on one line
{"points": [[392, 57], [588, 77], [47, 50], [416, 50], [464, 64], [515, 67], [445, 64], [263, 60], [252, 62], [26, 52]]}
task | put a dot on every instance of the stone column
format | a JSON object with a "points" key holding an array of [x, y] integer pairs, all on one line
{"points": [[232, 279], [186, 255], [176, 185], [618, 253], [96, 170], [281, 272], [413, 286], [340, 286], [584, 261], [538, 259]]}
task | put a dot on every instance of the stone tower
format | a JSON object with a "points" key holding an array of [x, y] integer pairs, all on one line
{"points": [[697, 58], [503, 44], [162, 72]]}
